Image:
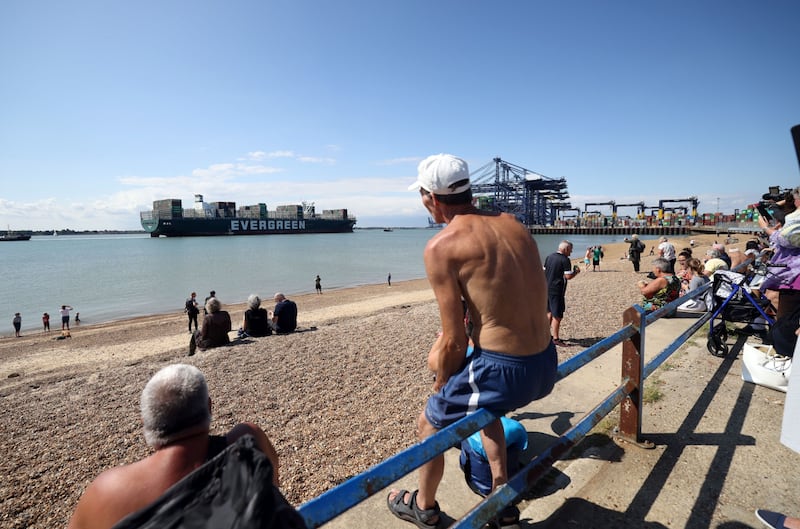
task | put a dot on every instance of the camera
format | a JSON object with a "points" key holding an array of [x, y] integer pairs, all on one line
{"points": [[776, 194]]}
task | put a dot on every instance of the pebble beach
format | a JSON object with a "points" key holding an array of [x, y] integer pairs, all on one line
{"points": [[335, 398]]}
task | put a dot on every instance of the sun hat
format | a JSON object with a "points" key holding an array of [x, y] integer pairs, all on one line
{"points": [[442, 174]]}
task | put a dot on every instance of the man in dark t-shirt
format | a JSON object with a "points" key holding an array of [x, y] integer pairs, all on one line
{"points": [[284, 318], [558, 270]]}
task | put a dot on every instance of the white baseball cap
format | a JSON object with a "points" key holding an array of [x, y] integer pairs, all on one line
{"points": [[442, 174]]}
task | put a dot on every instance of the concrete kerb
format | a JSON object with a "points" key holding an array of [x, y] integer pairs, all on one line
{"points": [[544, 420]]}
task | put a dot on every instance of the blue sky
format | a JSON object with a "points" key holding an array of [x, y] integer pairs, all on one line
{"points": [[107, 106]]}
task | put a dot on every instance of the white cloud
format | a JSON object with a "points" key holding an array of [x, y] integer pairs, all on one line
{"points": [[312, 159], [400, 161], [281, 154], [243, 181]]}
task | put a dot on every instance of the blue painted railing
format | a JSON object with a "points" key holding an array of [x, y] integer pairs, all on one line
{"points": [[334, 502]]}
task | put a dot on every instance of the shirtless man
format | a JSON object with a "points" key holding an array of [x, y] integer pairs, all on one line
{"points": [[492, 262], [178, 431]]}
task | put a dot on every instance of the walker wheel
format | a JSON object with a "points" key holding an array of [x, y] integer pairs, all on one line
{"points": [[717, 344]]}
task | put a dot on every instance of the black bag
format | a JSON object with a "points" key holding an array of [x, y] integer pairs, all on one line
{"points": [[782, 333], [233, 490]]}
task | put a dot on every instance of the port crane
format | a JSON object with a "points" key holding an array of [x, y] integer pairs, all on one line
{"points": [[532, 197], [692, 201], [638, 205], [609, 203]]}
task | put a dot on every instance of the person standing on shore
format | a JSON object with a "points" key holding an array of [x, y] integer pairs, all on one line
{"points": [[597, 254], [491, 261], [318, 284], [211, 294], [635, 251], [667, 251], [191, 310], [46, 322], [65, 317], [17, 322], [558, 270], [389, 279]]}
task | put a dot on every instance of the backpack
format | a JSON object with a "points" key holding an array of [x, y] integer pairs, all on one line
{"points": [[191, 308], [473, 462], [233, 490]]}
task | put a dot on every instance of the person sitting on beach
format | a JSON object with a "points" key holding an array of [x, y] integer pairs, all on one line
{"points": [[215, 329], [722, 253], [663, 289], [256, 320], [714, 263], [176, 417], [696, 278], [683, 270], [284, 317]]}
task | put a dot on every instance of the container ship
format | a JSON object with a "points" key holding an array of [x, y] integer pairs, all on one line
{"points": [[168, 218]]}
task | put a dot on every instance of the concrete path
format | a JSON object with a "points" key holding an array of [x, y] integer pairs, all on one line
{"points": [[717, 455]]}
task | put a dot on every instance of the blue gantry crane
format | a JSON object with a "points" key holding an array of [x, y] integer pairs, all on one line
{"points": [[532, 197]]}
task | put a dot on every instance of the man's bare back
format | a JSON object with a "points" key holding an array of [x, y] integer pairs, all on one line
{"points": [[497, 269]]}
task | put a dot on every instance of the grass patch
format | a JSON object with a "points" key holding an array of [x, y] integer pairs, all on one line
{"points": [[607, 424], [652, 391]]}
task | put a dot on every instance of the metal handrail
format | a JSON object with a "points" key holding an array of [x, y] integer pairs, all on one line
{"points": [[345, 496]]}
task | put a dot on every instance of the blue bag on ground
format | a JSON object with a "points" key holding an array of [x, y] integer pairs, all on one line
{"points": [[473, 460]]}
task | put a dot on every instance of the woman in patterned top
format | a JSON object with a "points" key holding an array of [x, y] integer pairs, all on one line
{"points": [[666, 286]]}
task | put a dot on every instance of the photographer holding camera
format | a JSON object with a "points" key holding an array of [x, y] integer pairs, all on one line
{"points": [[782, 226]]}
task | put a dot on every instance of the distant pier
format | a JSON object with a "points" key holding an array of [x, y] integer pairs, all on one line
{"points": [[606, 230], [729, 229]]}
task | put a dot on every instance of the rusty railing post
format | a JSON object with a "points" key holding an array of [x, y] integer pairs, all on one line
{"points": [[630, 416]]}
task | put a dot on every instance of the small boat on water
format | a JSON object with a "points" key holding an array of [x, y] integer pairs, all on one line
{"points": [[11, 236], [388, 229]]}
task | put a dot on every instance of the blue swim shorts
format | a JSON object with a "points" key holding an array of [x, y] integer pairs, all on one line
{"points": [[495, 381]]}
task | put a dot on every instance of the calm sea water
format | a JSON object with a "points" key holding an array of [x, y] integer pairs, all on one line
{"points": [[109, 278]]}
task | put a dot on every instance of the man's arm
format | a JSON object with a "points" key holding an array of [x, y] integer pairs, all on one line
{"points": [[262, 441], [97, 507], [449, 350], [649, 289], [569, 270]]}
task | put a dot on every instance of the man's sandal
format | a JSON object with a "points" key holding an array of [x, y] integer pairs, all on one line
{"points": [[411, 512]]}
